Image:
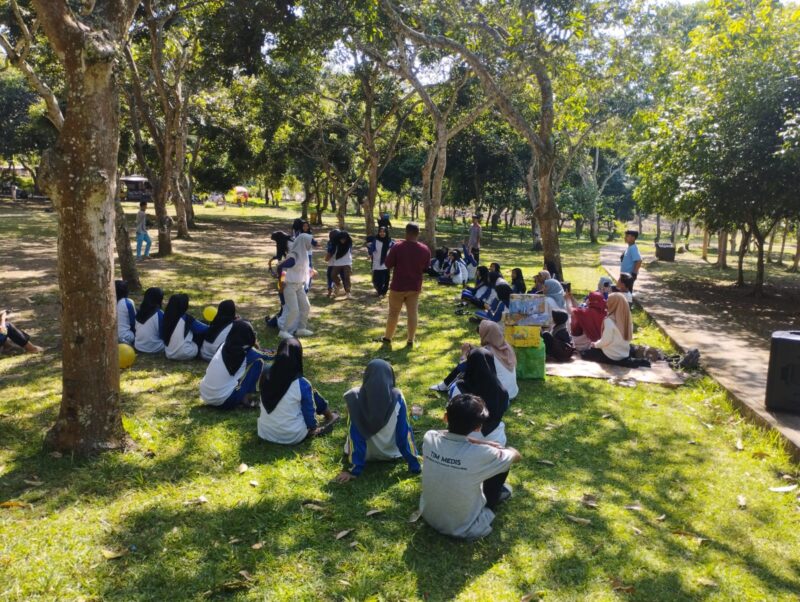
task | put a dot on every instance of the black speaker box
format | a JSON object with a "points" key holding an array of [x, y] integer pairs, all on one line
{"points": [[783, 378]]}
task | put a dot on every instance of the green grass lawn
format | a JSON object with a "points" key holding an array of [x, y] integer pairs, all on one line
{"points": [[663, 464]]}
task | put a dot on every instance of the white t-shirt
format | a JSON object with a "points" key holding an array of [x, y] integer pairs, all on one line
{"points": [[181, 344], [458, 272], [218, 384], [453, 472], [376, 256], [285, 424], [346, 259], [148, 337], [209, 348], [612, 343], [124, 332]]}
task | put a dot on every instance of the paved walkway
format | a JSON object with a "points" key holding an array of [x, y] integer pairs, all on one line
{"points": [[732, 356]]}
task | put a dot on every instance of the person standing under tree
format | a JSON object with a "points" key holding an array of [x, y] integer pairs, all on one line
{"points": [[408, 259], [631, 259], [474, 242], [141, 231]]}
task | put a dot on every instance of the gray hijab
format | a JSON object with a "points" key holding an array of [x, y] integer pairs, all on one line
{"points": [[371, 405]]}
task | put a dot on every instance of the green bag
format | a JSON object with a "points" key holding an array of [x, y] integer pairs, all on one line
{"points": [[530, 362]]}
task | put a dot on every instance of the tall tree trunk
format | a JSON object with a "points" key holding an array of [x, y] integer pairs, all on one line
{"points": [[758, 288], [772, 234], [796, 262], [547, 212], [372, 193], [722, 250], [533, 198], [163, 220], [639, 218], [733, 240], [783, 240], [742, 252], [431, 211], [706, 242], [306, 200], [127, 262], [80, 175], [341, 207]]}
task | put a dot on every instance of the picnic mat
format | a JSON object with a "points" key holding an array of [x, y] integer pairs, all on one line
{"points": [[660, 373]]}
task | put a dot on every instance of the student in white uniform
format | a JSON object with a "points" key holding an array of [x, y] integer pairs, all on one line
{"points": [[378, 249], [294, 319], [149, 320], [614, 346], [456, 272], [181, 332], [341, 260], [218, 329], [458, 464], [289, 404], [379, 429], [232, 375], [126, 314]]}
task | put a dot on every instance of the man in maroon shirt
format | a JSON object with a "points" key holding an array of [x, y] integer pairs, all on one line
{"points": [[408, 261]]}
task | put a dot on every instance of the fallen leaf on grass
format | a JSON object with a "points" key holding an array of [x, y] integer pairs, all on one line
{"points": [[373, 512], [618, 586], [110, 554], [783, 489], [606, 416], [55, 454], [312, 506], [353, 544], [415, 516], [697, 538], [197, 502], [739, 445], [742, 501], [234, 540], [788, 477], [33, 482], [635, 507], [661, 518], [247, 576], [578, 520], [550, 426], [637, 531], [243, 468], [13, 504], [546, 462], [343, 534], [589, 500], [258, 545], [692, 442], [253, 483], [707, 582]]}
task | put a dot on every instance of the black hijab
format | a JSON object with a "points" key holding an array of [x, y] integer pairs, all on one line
{"points": [[386, 242], [371, 405], [177, 306], [151, 303], [226, 313], [281, 244], [503, 292], [480, 378], [121, 288], [341, 248], [286, 368], [239, 341]]}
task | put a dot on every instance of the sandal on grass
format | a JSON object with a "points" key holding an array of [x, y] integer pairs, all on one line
{"points": [[327, 427]]}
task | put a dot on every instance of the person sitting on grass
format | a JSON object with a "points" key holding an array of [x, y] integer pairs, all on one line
{"points": [[625, 286], [149, 320], [494, 311], [289, 403], [10, 334], [586, 325], [457, 270], [478, 294], [233, 373], [181, 332], [379, 428], [518, 282], [470, 261], [126, 314], [505, 360], [218, 329], [439, 263], [614, 346], [495, 267], [457, 464], [558, 342], [538, 282]]}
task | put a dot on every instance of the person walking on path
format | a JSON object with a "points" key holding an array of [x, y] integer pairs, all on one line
{"points": [[408, 261], [141, 232], [631, 259], [474, 242]]}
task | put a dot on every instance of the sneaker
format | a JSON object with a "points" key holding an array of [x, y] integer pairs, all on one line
{"points": [[505, 494], [441, 387], [285, 335], [304, 332], [348, 296]]}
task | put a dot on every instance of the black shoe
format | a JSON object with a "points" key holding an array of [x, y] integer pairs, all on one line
{"points": [[382, 341], [409, 344]]}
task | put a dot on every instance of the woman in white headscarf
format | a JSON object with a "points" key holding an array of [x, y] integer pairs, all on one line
{"points": [[296, 305]]}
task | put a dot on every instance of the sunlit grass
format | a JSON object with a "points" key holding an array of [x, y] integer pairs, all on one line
{"points": [[670, 452]]}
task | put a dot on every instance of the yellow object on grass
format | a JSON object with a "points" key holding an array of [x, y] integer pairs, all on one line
{"points": [[209, 313], [523, 336], [127, 356]]}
